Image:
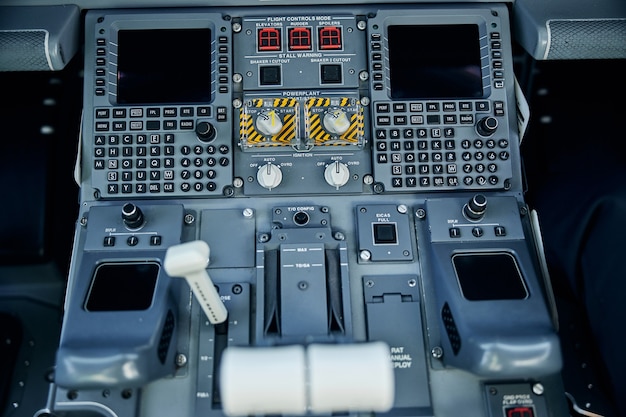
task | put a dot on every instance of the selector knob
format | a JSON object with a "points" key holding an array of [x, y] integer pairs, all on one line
{"points": [[269, 176], [337, 174], [132, 216], [487, 126], [269, 123], [475, 207], [336, 122], [205, 131]]}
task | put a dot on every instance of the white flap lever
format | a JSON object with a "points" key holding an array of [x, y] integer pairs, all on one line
{"points": [[190, 260]]}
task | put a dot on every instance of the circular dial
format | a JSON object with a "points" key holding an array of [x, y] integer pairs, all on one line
{"points": [[269, 123], [336, 122], [475, 207], [205, 131], [487, 126], [337, 174], [269, 176], [132, 216]]}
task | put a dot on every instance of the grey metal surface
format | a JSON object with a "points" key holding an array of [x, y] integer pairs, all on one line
{"points": [[576, 30]]}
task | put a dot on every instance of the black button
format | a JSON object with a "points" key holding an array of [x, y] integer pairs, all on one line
{"points": [[270, 75], [385, 233], [331, 74]]}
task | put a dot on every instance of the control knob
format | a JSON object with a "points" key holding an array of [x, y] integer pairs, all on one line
{"points": [[269, 176], [475, 207], [487, 126], [336, 122], [269, 123], [337, 174], [205, 131], [132, 216]]}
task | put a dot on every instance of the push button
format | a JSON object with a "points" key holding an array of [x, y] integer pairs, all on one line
{"points": [[331, 74], [385, 234], [270, 75]]}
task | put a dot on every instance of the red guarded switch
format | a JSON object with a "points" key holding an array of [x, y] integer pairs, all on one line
{"points": [[330, 37], [300, 39], [520, 412], [269, 39]]}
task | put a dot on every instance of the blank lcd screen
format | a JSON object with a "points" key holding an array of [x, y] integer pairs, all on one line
{"points": [[493, 276], [434, 61], [122, 287], [164, 66]]}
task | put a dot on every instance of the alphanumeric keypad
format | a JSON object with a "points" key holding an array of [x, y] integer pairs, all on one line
{"points": [[434, 145], [148, 162]]}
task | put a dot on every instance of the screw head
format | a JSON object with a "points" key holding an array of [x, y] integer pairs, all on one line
{"points": [[181, 360], [437, 352]]}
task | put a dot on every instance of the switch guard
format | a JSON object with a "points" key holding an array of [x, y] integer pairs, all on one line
{"points": [[393, 314]]}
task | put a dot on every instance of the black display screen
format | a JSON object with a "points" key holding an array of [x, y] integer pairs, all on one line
{"points": [[492, 276], [434, 61], [122, 287], [164, 66]]}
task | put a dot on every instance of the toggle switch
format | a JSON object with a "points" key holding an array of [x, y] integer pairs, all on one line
{"points": [[190, 260]]}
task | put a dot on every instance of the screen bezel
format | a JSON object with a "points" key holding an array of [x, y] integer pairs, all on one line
{"points": [[158, 24], [482, 43]]}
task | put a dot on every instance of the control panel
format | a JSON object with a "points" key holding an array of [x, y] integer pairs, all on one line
{"points": [[304, 211], [199, 104]]}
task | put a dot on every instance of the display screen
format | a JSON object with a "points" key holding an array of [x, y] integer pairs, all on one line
{"points": [[434, 61], [164, 66], [122, 287], [492, 276]]}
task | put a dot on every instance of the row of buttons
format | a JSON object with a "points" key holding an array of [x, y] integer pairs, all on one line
{"points": [[110, 241], [104, 124], [447, 112], [496, 62], [499, 231]]}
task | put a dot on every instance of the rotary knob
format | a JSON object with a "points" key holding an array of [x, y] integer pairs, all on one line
{"points": [[205, 131], [132, 216], [269, 176], [475, 207], [487, 126], [337, 174], [269, 123], [336, 122]]}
